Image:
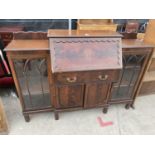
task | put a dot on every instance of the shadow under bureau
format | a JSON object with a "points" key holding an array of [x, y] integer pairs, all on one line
{"points": [[73, 70]]}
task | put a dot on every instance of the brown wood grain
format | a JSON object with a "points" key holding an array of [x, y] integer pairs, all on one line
{"points": [[6, 33], [30, 35], [96, 94], [96, 24], [70, 96], [152, 65], [3, 120], [83, 54], [28, 45], [81, 33], [77, 89], [147, 88], [150, 32], [24, 45], [149, 38]]}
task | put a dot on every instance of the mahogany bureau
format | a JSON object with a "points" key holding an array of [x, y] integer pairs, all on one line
{"points": [[73, 70], [84, 65]]}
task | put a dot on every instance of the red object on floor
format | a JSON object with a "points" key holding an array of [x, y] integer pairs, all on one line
{"points": [[103, 124], [6, 82]]}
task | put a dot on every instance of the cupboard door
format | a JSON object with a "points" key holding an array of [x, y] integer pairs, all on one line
{"points": [[70, 96], [96, 94], [32, 77], [133, 65]]}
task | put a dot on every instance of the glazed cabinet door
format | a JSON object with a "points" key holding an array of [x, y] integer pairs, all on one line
{"points": [[32, 76], [96, 94], [69, 96], [130, 76]]}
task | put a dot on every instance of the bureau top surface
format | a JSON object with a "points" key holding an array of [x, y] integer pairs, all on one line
{"points": [[25, 45], [83, 54], [81, 33]]}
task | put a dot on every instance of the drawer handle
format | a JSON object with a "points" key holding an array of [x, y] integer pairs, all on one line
{"points": [[71, 80], [101, 77]]}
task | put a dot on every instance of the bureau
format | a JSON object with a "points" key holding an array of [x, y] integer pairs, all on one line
{"points": [[84, 66], [62, 73]]}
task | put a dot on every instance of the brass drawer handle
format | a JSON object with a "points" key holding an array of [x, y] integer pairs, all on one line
{"points": [[71, 80], [101, 77]]}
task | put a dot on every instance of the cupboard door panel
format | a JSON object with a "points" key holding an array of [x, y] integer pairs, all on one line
{"points": [[96, 94], [70, 96]]}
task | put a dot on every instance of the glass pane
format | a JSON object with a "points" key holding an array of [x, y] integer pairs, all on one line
{"points": [[33, 80], [129, 75], [122, 92]]}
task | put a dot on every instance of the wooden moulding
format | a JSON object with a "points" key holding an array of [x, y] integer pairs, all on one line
{"points": [[3, 120]]}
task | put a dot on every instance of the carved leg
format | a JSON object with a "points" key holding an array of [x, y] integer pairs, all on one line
{"points": [[27, 118], [105, 110], [56, 115]]}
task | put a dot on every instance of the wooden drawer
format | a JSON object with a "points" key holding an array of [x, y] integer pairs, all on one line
{"points": [[93, 76]]}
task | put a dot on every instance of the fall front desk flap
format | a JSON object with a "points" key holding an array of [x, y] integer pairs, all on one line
{"points": [[83, 51]]}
